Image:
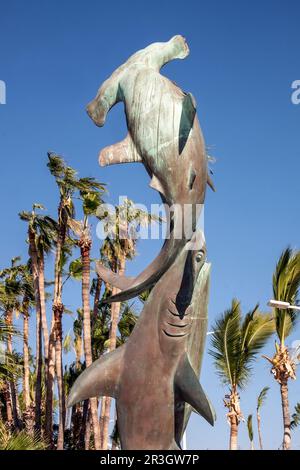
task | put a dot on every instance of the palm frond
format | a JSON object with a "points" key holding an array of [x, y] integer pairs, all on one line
{"points": [[250, 428], [236, 343], [19, 441], [296, 417], [256, 329], [286, 285], [225, 343], [262, 397]]}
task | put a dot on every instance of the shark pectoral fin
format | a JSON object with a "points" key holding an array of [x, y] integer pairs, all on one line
{"points": [[187, 384], [156, 184], [121, 152], [115, 280], [175, 446], [100, 379]]}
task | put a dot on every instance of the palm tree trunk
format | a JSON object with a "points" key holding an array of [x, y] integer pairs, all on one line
{"points": [[49, 386], [12, 386], [87, 434], [115, 312], [78, 352], [39, 365], [26, 390], [8, 406], [97, 296], [105, 416], [35, 273], [55, 341], [41, 277], [85, 247], [84, 423], [106, 403], [59, 376], [285, 414], [233, 444], [259, 430]]}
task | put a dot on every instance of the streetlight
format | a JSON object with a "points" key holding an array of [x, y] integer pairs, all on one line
{"points": [[282, 305]]}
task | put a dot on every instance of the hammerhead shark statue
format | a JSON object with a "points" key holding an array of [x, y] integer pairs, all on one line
{"points": [[161, 358], [164, 134]]}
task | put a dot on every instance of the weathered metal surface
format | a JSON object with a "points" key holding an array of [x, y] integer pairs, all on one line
{"points": [[164, 134], [154, 376]]}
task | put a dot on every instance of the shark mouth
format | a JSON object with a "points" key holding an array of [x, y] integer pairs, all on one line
{"points": [[133, 286]]}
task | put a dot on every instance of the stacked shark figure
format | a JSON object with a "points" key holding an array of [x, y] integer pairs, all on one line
{"points": [[154, 376]]}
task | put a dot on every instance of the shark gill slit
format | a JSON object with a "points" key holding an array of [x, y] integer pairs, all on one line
{"points": [[179, 326], [175, 336], [192, 178]]}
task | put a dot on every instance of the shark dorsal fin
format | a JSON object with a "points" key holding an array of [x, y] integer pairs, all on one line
{"points": [[190, 390], [100, 379]]}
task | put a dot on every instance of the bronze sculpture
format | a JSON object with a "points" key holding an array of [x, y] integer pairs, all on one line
{"points": [[153, 377]]}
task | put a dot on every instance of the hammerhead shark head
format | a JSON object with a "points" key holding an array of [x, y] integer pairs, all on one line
{"points": [[162, 357], [163, 134]]}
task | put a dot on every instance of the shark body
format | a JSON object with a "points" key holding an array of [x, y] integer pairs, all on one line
{"points": [[154, 376], [164, 134]]}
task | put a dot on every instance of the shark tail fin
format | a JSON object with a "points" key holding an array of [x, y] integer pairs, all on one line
{"points": [[100, 379], [189, 388]]}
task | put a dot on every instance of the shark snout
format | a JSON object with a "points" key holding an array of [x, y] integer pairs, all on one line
{"points": [[181, 45], [96, 112]]}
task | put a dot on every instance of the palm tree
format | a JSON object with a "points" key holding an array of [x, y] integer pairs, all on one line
{"points": [[68, 183], [91, 198], [286, 285], [10, 302], [28, 301], [235, 345], [77, 331], [260, 401], [41, 235], [296, 417], [250, 431], [65, 178], [8, 370], [45, 229]]}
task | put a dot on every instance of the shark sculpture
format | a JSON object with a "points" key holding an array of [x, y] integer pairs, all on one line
{"points": [[154, 376], [163, 134]]}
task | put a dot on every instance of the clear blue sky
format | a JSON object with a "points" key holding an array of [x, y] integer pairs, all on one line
{"points": [[244, 57]]}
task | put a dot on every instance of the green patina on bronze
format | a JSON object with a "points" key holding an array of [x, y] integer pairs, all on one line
{"points": [[163, 134]]}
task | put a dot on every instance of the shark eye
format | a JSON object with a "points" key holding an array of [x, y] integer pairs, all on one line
{"points": [[199, 256]]}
